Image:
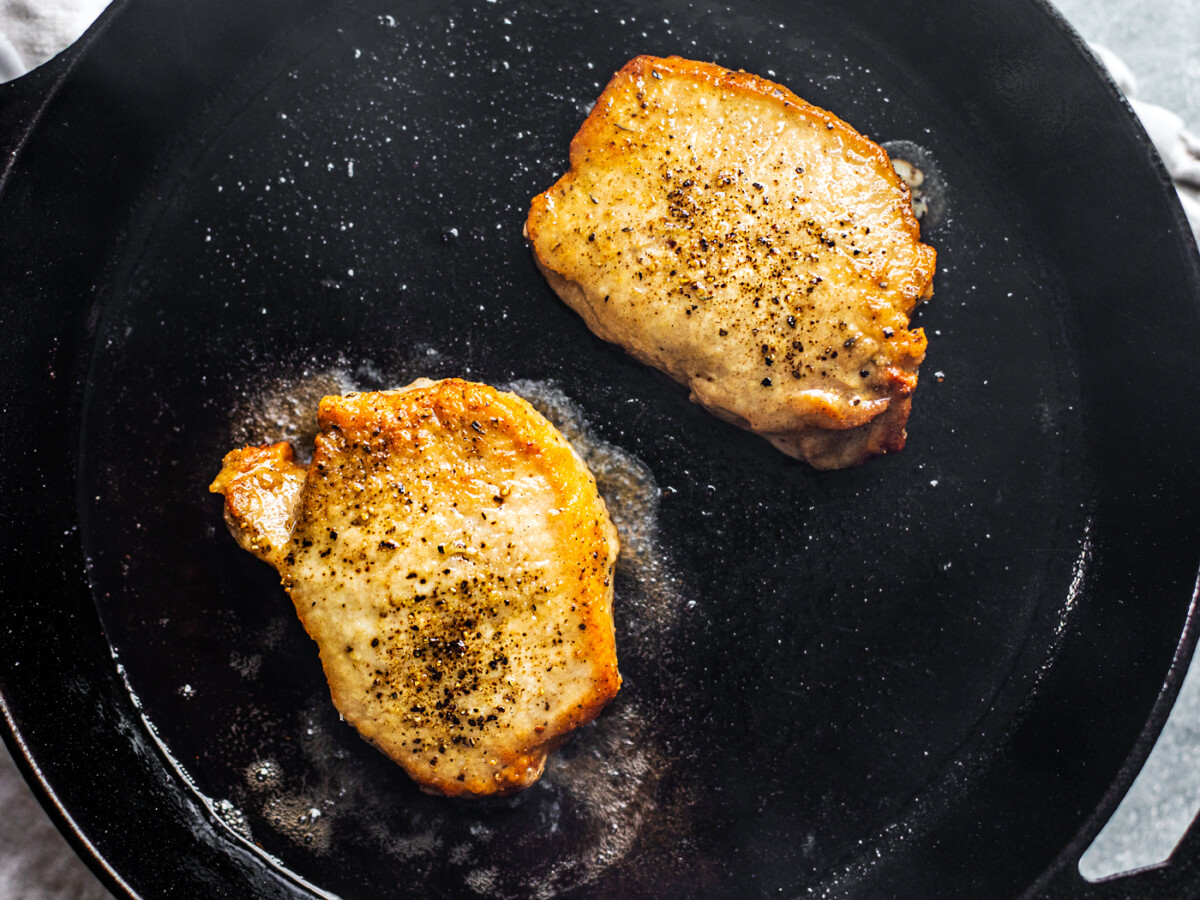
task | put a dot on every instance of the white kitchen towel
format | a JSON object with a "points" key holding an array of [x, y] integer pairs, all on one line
{"points": [[1178, 147], [32, 31]]}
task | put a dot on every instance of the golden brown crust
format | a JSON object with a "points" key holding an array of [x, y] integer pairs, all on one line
{"points": [[453, 560], [725, 231]]}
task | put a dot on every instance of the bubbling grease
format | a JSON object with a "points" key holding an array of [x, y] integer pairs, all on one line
{"points": [[285, 409], [632, 496]]}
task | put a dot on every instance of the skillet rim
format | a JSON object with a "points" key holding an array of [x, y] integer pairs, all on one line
{"points": [[55, 74]]}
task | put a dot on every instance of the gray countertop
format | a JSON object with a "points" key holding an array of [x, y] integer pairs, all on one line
{"points": [[1158, 39], [1160, 42]]}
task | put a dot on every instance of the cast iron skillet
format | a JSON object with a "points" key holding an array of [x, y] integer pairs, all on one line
{"points": [[931, 676]]}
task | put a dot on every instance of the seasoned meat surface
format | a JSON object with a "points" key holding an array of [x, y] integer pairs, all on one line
{"points": [[752, 246], [449, 553]]}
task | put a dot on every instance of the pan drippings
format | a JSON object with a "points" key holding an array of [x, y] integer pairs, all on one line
{"points": [[603, 784]]}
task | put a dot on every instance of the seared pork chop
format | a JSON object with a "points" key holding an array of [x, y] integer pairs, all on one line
{"points": [[450, 555], [752, 246]]}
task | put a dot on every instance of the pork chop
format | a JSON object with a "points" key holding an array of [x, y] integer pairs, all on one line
{"points": [[449, 553], [754, 247]]}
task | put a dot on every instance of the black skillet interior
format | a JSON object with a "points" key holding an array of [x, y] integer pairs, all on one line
{"points": [[915, 678]]}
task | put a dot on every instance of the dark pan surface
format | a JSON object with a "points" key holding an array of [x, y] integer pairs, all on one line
{"points": [[916, 678]]}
